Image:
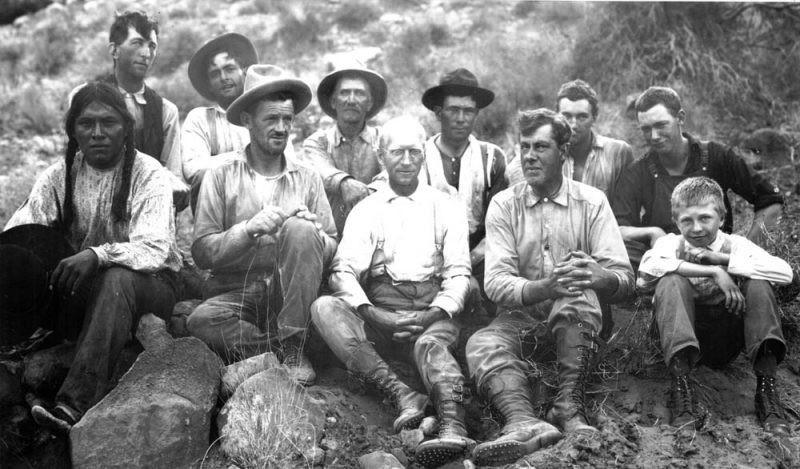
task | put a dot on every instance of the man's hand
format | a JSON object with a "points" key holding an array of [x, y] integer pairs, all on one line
{"points": [[304, 213], [181, 194], [413, 323], [73, 271], [268, 221], [381, 318], [353, 191], [734, 299], [579, 271]]}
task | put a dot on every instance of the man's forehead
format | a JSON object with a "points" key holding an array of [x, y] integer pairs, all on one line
{"points": [[541, 134], [657, 113], [352, 82], [406, 137], [97, 110], [134, 34], [465, 101], [221, 58], [580, 105], [276, 106]]}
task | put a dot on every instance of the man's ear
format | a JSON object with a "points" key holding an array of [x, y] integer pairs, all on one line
{"points": [[380, 157], [246, 120], [681, 116], [438, 111], [113, 51]]}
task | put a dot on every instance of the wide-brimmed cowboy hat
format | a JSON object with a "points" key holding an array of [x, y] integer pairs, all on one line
{"points": [[234, 44], [459, 82], [377, 86], [264, 79]]}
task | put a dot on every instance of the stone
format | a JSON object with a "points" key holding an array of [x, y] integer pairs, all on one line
{"points": [[400, 455], [180, 313], [429, 426], [159, 415], [411, 439], [379, 460], [270, 420], [235, 374], [46, 369], [315, 456], [152, 332]]}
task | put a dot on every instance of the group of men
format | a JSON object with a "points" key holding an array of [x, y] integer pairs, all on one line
{"points": [[401, 233]]}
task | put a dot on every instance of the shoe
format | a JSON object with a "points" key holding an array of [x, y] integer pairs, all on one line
{"points": [[297, 363], [686, 411], [60, 419], [769, 408], [452, 441]]}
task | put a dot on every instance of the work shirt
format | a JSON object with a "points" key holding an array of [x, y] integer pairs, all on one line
{"points": [[747, 260], [639, 202], [408, 226], [336, 158], [604, 165], [207, 133], [231, 195], [527, 235], [145, 243]]}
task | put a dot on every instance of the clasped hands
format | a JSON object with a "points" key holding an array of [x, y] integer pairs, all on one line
{"points": [[578, 271], [271, 218], [734, 298], [405, 326]]}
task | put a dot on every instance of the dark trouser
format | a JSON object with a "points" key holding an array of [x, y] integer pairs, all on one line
{"points": [[504, 346], [711, 332], [114, 302], [636, 250], [237, 323], [346, 332]]}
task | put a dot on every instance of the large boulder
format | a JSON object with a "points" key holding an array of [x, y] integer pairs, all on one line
{"points": [[237, 373], [160, 413], [270, 421]]}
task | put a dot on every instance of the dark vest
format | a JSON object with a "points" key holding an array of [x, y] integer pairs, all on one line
{"points": [[150, 139]]}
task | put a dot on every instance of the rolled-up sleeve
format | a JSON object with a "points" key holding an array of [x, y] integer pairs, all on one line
{"points": [[502, 280]]}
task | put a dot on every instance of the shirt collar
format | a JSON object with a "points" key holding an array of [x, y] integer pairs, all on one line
{"points": [[138, 96], [366, 134], [291, 163], [386, 194], [560, 198]]}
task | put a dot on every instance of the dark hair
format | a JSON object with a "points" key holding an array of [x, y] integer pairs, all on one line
{"points": [[576, 90], [529, 121], [276, 96], [108, 95], [697, 191], [231, 55], [141, 22], [656, 95]]}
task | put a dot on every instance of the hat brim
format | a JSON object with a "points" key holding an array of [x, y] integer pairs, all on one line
{"points": [[377, 86], [433, 97], [298, 88], [235, 44]]}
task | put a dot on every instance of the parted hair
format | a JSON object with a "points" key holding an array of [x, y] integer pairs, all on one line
{"points": [[576, 90], [108, 95], [697, 191], [656, 95], [528, 121], [140, 20]]}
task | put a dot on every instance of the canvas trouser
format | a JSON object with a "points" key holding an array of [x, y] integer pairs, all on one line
{"points": [[345, 331], [239, 320], [502, 347], [716, 335]]}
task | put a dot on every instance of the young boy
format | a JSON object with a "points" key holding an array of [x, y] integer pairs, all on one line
{"points": [[713, 297]]}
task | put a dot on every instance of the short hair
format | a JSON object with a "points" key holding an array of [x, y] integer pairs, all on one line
{"points": [[231, 54], [140, 20], [529, 121], [404, 123], [108, 95], [656, 95], [576, 90], [697, 191], [276, 96]]}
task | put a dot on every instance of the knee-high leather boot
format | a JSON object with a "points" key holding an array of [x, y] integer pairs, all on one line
{"points": [[452, 441]]}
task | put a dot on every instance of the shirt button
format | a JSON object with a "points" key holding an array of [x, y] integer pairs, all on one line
{"points": [[545, 199]]}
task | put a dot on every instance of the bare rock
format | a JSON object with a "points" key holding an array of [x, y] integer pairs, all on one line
{"points": [[429, 426], [379, 460], [269, 421], [46, 369], [411, 439], [158, 416], [152, 332], [235, 374]]}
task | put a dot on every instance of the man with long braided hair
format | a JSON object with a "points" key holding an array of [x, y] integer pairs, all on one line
{"points": [[113, 205]]}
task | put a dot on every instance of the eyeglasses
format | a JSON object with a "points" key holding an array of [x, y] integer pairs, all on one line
{"points": [[400, 152]]}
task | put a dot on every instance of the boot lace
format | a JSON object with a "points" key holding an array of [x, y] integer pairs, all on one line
{"points": [[584, 371], [769, 398]]}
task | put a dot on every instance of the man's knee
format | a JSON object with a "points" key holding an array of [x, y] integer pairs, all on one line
{"points": [[117, 280], [201, 324], [760, 288], [296, 229], [324, 311], [672, 284]]}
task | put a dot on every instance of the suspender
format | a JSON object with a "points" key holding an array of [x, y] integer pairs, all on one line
{"points": [[213, 143]]}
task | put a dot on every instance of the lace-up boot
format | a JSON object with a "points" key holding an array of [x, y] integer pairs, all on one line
{"points": [[297, 363], [686, 411], [769, 408], [576, 345], [452, 441]]}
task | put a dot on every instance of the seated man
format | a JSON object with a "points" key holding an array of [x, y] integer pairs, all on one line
{"points": [[703, 266], [407, 243], [262, 216], [114, 207], [553, 254], [641, 200]]}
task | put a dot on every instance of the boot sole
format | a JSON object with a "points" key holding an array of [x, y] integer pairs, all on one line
{"points": [[435, 455], [409, 423], [507, 452], [47, 420]]}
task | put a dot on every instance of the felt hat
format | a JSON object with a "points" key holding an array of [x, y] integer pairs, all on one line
{"points": [[29, 253], [459, 82], [264, 79], [377, 86], [234, 44]]}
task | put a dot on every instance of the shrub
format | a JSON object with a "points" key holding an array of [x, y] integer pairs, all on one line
{"points": [[355, 16], [51, 48], [175, 47]]}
